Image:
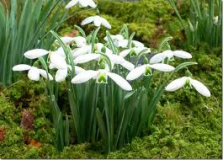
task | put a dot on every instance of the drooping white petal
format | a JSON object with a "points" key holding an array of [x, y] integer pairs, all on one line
{"points": [[84, 76], [161, 56], [87, 20], [123, 43], [80, 41], [106, 23], [85, 3], [162, 67], [45, 74], [138, 44], [141, 49], [86, 58], [115, 58], [34, 74], [91, 3], [66, 40], [61, 75], [120, 81], [97, 21], [51, 66], [136, 73], [71, 4], [99, 47], [21, 67], [176, 84], [80, 51], [125, 52], [202, 89], [117, 37], [127, 65], [182, 54], [60, 52], [78, 70], [35, 53], [58, 61], [215, 20]]}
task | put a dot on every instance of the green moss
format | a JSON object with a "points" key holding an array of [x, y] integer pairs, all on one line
{"points": [[144, 21], [178, 133]]}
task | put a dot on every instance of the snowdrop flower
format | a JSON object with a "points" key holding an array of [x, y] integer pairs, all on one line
{"points": [[101, 76], [170, 54], [99, 48], [118, 40], [66, 40], [97, 20], [80, 41], [215, 20], [35, 53], [83, 3], [137, 48], [57, 61], [81, 51], [180, 82], [62, 74], [33, 72], [146, 70], [134, 51], [60, 52], [115, 59]]}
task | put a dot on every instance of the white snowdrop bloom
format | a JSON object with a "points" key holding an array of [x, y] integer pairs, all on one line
{"points": [[33, 72], [215, 20], [170, 54], [115, 59], [62, 74], [138, 44], [101, 77], [134, 51], [80, 41], [57, 61], [83, 3], [81, 51], [60, 52], [119, 40], [97, 20], [99, 46], [35, 53], [180, 82], [66, 40], [146, 70]]}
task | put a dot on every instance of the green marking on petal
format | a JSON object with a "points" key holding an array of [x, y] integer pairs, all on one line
{"points": [[102, 78], [133, 53], [148, 71]]}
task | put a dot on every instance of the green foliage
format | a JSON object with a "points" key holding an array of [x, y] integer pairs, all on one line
{"points": [[204, 23], [23, 27]]}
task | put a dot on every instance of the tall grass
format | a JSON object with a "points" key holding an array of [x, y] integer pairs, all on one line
{"points": [[202, 25], [23, 24]]}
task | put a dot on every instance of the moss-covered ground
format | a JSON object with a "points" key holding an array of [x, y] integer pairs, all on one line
{"points": [[186, 124]]}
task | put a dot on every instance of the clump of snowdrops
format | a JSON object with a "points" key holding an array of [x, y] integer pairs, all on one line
{"points": [[113, 86]]}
